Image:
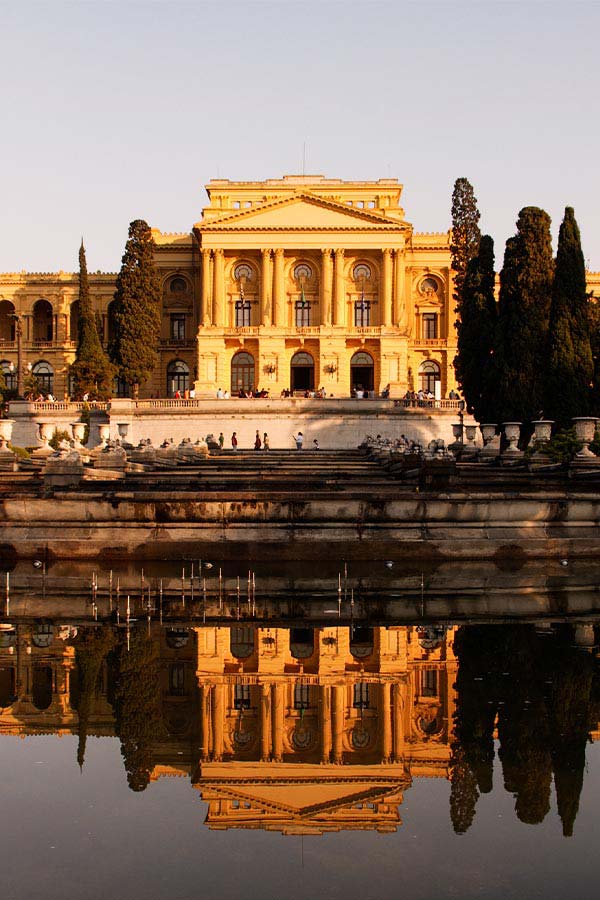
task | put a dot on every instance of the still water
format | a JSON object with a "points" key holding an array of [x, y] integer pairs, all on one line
{"points": [[253, 758]]}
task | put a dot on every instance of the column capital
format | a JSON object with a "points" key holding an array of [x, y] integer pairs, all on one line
{"points": [[279, 251], [218, 251], [339, 251], [326, 251], [386, 251], [266, 251], [206, 251]]}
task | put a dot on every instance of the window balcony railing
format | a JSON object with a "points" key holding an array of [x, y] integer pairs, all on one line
{"points": [[177, 342], [430, 342]]}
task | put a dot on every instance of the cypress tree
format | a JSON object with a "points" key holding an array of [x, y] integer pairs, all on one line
{"points": [[92, 372], [137, 309], [523, 317], [465, 232], [570, 365], [476, 328]]}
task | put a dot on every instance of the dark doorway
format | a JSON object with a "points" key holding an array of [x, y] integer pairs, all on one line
{"points": [[362, 372], [302, 372]]}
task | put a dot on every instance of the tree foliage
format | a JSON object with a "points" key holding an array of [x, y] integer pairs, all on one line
{"points": [[476, 326], [92, 371], [570, 367], [523, 318], [465, 232], [137, 308], [91, 649], [137, 706]]}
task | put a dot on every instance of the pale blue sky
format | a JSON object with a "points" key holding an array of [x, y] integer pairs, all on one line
{"points": [[115, 111]]}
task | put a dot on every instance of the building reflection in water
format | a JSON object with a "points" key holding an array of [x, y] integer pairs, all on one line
{"points": [[308, 730]]}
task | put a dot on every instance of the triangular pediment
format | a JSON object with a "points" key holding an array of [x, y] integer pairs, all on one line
{"points": [[303, 212]]}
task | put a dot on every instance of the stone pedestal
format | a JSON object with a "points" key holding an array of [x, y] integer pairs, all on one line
{"points": [[63, 469]]}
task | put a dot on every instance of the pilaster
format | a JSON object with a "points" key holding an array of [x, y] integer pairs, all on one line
{"points": [[339, 301], [278, 289], [326, 286], [218, 304], [206, 312], [386, 288], [265, 287]]}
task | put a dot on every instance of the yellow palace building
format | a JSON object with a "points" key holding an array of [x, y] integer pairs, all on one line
{"points": [[294, 283]]}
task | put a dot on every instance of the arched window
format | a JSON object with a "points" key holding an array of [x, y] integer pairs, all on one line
{"points": [[74, 321], [42, 636], [302, 372], [178, 285], [44, 375], [362, 372], [429, 373], [241, 641], [177, 638], [43, 330], [10, 374], [7, 323], [242, 372], [178, 377], [7, 686], [41, 689], [361, 642], [302, 642]]}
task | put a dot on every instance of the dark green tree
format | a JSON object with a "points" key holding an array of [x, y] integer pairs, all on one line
{"points": [[523, 318], [476, 326], [92, 372], [137, 706], [594, 326], [91, 649], [465, 232], [570, 366], [137, 309], [570, 674]]}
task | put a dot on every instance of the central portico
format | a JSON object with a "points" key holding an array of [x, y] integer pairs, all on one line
{"points": [[309, 282]]}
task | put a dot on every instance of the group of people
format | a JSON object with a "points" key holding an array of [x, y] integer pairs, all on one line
{"points": [[319, 394], [263, 443]]}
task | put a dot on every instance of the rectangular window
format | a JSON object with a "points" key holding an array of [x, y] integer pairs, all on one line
{"points": [[430, 329], [362, 313], [241, 696], [302, 314], [242, 314], [176, 679], [177, 327], [429, 683], [301, 696], [361, 695]]}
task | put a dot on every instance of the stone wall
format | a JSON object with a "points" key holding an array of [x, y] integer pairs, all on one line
{"points": [[336, 424]]}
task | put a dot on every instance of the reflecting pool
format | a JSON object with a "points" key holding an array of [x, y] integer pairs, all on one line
{"points": [[166, 747]]}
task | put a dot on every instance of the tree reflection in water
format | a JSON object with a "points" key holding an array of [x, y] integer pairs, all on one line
{"points": [[541, 693], [137, 701]]}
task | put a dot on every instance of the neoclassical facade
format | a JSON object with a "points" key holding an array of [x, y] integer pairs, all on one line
{"points": [[297, 730], [300, 283]]}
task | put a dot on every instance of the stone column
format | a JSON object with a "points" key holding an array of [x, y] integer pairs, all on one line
{"points": [[205, 721], [278, 700], [265, 722], [386, 722], [339, 300], [218, 721], [325, 721], [326, 284], [399, 279], [265, 288], [206, 313], [398, 723], [278, 289], [218, 304], [338, 722], [386, 288]]}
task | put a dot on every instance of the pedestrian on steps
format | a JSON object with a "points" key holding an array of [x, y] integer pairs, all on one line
{"points": [[257, 441], [299, 438]]}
